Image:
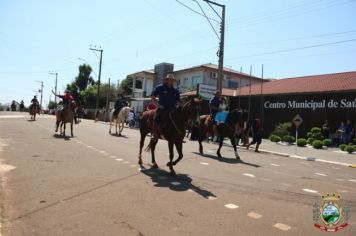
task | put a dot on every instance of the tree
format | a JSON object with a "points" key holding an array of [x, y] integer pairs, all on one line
{"points": [[84, 79], [126, 85], [52, 105]]}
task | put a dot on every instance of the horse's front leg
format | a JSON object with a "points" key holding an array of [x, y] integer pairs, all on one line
{"points": [[116, 126], [71, 129], [142, 142], [233, 143], [153, 143], [179, 147], [64, 129], [221, 141], [171, 156], [110, 126]]}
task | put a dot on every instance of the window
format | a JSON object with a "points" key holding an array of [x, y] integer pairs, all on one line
{"points": [[233, 84], [196, 80]]}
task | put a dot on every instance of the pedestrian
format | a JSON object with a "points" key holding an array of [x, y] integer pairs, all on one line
{"points": [[131, 118], [326, 130], [348, 132], [256, 130], [341, 130]]}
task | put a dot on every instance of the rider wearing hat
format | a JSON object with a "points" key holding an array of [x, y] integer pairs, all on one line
{"points": [[169, 97], [119, 104], [34, 102], [214, 104]]}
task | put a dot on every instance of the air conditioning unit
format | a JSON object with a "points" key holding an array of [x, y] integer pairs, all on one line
{"points": [[214, 75]]}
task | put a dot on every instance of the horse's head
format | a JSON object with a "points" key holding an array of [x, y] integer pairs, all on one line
{"points": [[192, 109], [125, 112]]}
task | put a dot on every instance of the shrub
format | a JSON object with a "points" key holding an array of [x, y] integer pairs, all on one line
{"points": [[318, 136], [350, 149], [282, 129], [273, 138], [342, 147], [288, 139], [315, 130], [317, 144], [310, 141], [309, 134], [301, 142], [327, 142], [354, 140]]}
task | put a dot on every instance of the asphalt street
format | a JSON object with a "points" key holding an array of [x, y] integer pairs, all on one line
{"points": [[92, 185]]}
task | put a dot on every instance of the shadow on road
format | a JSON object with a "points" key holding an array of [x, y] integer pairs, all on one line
{"points": [[118, 135], [179, 183], [30, 120], [228, 160], [60, 136]]}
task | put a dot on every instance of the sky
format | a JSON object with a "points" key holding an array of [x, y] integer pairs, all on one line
{"points": [[289, 37]]}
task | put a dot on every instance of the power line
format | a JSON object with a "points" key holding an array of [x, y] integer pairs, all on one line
{"points": [[191, 9], [207, 18], [293, 49]]}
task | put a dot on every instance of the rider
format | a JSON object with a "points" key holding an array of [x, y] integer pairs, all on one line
{"points": [[214, 104], [119, 104], [34, 102], [67, 100], [169, 97], [153, 104]]}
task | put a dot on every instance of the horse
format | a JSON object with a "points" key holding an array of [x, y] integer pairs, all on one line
{"points": [[172, 129], [33, 110], [226, 129], [65, 116], [119, 119]]}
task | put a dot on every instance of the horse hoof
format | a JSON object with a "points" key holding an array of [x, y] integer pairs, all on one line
{"points": [[219, 156], [140, 162], [155, 166]]}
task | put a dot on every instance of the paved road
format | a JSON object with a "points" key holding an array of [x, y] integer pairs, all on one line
{"points": [[92, 185]]}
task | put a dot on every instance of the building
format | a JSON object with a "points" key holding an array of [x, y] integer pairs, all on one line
{"points": [[315, 98], [207, 74]]}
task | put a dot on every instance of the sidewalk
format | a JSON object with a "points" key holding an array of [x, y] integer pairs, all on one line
{"points": [[329, 155]]}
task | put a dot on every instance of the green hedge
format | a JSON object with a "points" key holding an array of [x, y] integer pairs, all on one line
{"points": [[342, 147], [310, 141], [301, 142], [350, 149], [288, 139], [274, 138], [327, 142], [317, 144], [315, 130]]}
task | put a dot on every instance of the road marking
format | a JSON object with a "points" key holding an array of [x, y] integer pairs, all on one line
{"points": [[113, 157], [344, 191], [340, 179], [249, 175], [89, 146], [254, 215], [231, 206], [274, 164], [204, 163], [175, 183], [190, 190], [11, 116], [119, 159], [352, 180], [126, 162], [309, 190], [320, 174], [282, 227]]}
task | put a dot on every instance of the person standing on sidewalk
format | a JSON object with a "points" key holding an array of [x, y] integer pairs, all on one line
{"points": [[326, 129], [256, 134]]}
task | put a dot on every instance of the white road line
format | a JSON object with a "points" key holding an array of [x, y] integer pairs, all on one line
{"points": [[282, 227], [249, 175], [231, 206], [118, 159], [352, 180], [309, 190], [212, 198], [113, 157], [254, 215], [89, 146], [320, 174], [126, 162], [344, 191], [204, 163], [175, 183], [272, 164]]}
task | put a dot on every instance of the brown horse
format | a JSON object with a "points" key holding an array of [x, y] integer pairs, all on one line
{"points": [[226, 129], [172, 129], [65, 116], [34, 109]]}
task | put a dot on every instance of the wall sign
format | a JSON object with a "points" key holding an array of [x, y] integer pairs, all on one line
{"points": [[311, 104]]}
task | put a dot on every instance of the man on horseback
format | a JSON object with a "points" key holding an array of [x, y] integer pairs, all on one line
{"points": [[169, 97], [119, 104], [214, 104], [67, 100], [34, 102]]}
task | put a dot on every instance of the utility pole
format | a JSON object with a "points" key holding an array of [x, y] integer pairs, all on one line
{"points": [[220, 53], [55, 86], [100, 63], [41, 90]]}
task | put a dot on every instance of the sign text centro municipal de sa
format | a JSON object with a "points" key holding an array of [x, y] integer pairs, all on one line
{"points": [[311, 104]]}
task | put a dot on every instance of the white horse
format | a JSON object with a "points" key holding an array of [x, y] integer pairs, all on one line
{"points": [[119, 119]]}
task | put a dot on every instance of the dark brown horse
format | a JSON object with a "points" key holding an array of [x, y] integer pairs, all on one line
{"points": [[65, 116], [33, 110], [226, 129], [172, 129]]}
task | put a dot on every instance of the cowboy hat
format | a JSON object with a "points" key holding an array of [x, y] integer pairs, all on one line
{"points": [[170, 76]]}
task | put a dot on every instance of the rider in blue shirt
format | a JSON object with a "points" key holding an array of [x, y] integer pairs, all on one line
{"points": [[169, 97]]}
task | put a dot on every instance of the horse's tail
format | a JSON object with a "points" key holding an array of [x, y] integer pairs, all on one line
{"points": [[148, 148]]}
